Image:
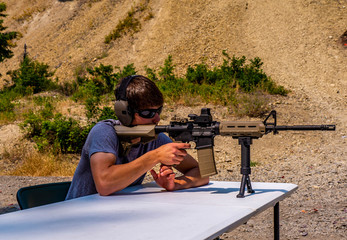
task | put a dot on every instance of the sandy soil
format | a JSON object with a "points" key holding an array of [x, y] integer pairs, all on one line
{"points": [[300, 44]]}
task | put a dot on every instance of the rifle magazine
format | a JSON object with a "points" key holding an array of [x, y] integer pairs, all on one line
{"points": [[207, 164]]}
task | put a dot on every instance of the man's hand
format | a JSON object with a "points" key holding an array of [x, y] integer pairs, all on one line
{"points": [[171, 153], [165, 178]]}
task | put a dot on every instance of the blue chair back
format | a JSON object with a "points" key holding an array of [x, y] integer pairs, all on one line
{"points": [[33, 196]]}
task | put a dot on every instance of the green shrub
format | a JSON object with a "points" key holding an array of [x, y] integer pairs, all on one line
{"points": [[126, 71], [99, 81], [56, 133], [46, 104], [32, 77], [65, 134], [92, 109], [235, 73], [59, 134], [151, 74], [67, 88], [6, 104], [107, 113], [7, 113], [104, 76], [166, 72]]}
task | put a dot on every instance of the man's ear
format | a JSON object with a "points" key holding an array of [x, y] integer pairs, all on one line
{"points": [[135, 119]]}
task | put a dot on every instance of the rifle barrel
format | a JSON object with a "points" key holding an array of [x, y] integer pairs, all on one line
{"points": [[302, 128], [170, 128], [161, 128]]}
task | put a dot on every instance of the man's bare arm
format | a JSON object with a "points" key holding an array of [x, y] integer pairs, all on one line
{"points": [[191, 178], [110, 178]]}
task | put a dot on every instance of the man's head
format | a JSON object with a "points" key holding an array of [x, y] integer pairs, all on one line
{"points": [[137, 96]]}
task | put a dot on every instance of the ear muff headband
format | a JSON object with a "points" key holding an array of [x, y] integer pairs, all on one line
{"points": [[121, 91], [121, 107]]}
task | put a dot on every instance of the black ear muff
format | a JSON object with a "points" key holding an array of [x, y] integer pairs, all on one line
{"points": [[123, 112], [121, 107]]}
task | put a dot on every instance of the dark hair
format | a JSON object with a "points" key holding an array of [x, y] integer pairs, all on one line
{"points": [[142, 93]]}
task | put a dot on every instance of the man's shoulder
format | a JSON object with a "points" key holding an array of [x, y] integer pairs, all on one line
{"points": [[101, 135], [104, 126], [107, 123]]}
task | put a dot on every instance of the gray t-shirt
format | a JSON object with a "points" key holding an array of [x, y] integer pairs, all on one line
{"points": [[103, 138]]}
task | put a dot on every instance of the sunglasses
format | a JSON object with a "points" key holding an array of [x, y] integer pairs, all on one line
{"points": [[149, 113]]}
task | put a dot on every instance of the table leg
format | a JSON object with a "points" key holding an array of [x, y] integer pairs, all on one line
{"points": [[277, 221]]}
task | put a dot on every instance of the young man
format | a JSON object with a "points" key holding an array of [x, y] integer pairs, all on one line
{"points": [[106, 168]]}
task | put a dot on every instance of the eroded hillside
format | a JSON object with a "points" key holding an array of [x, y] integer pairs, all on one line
{"points": [[297, 40]]}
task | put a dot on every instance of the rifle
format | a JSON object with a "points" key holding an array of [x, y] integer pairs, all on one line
{"points": [[202, 130]]}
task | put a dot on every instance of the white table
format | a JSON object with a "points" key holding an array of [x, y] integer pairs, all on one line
{"points": [[146, 212]]}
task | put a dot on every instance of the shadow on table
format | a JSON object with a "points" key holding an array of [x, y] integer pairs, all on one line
{"points": [[136, 190], [8, 209]]}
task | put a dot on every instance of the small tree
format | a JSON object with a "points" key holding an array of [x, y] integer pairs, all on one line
{"points": [[5, 37], [32, 77]]}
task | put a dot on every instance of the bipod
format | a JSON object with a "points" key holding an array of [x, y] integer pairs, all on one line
{"points": [[245, 143]]}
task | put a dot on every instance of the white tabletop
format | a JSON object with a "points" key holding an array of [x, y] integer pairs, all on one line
{"points": [[145, 212]]}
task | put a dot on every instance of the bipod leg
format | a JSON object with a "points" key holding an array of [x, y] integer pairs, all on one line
{"points": [[249, 185], [242, 187], [245, 181], [245, 143]]}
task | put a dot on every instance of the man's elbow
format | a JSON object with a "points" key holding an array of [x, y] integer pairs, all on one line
{"points": [[205, 180], [105, 190]]}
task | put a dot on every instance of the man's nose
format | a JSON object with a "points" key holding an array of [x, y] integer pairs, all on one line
{"points": [[156, 118]]}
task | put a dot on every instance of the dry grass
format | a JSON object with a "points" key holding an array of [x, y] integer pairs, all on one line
{"points": [[252, 105], [24, 161], [69, 108], [7, 118], [44, 165], [31, 9]]}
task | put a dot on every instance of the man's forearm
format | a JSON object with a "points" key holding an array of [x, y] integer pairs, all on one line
{"points": [[190, 179], [110, 178]]}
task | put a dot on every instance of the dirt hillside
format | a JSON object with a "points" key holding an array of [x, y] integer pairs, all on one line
{"points": [[299, 43]]}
